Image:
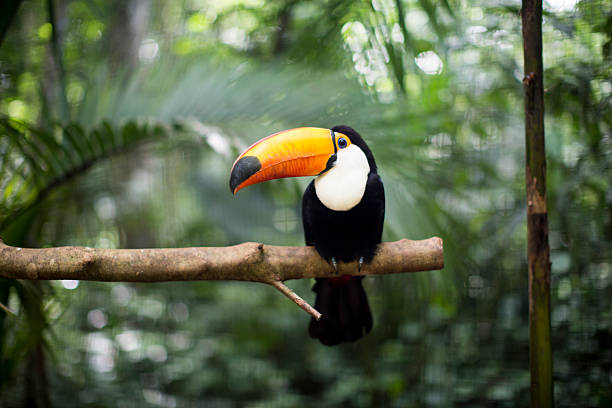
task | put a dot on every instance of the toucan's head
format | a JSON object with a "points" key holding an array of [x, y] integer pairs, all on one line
{"points": [[339, 158]]}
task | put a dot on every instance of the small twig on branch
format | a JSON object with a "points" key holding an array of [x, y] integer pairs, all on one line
{"points": [[298, 300], [251, 261]]}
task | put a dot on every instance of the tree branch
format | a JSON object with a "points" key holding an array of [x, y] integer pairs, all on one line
{"points": [[251, 261]]}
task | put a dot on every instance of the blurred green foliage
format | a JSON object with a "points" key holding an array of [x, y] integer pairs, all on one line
{"points": [[119, 122]]}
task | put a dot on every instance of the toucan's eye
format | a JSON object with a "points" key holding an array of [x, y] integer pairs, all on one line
{"points": [[342, 143]]}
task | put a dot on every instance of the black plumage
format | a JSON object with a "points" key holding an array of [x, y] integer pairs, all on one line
{"points": [[345, 236]]}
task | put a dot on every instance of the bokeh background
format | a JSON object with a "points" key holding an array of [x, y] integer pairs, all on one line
{"points": [[119, 123]]}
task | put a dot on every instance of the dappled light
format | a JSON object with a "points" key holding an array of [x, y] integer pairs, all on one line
{"points": [[429, 62]]}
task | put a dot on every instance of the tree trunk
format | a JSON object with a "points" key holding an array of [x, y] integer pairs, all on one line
{"points": [[282, 30], [9, 12], [36, 394], [540, 354], [53, 86], [127, 31]]}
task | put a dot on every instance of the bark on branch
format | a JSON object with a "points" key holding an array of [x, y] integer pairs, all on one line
{"points": [[251, 261]]}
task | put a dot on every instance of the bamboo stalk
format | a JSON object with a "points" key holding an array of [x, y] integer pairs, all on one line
{"points": [[538, 253]]}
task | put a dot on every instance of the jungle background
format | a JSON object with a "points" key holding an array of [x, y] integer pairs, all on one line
{"points": [[119, 123]]}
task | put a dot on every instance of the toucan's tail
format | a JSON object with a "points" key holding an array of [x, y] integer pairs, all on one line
{"points": [[344, 306]]}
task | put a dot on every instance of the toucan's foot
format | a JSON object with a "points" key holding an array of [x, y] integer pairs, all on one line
{"points": [[334, 264], [360, 263]]}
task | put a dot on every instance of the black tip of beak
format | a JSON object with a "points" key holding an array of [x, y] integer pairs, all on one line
{"points": [[243, 169]]}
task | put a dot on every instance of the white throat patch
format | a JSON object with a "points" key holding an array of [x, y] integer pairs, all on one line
{"points": [[342, 187]]}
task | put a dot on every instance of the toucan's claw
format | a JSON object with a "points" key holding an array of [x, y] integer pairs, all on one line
{"points": [[334, 264]]}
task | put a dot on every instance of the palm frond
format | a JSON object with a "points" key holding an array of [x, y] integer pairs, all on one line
{"points": [[35, 161]]}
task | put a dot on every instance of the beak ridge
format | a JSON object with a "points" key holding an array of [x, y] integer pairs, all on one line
{"points": [[306, 151]]}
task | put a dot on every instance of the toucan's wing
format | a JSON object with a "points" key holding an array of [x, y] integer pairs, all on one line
{"points": [[307, 202], [377, 195]]}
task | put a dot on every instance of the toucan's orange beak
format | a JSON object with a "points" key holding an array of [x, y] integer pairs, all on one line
{"points": [[306, 151]]}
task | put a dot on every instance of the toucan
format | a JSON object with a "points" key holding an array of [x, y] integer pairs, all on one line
{"points": [[343, 210]]}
